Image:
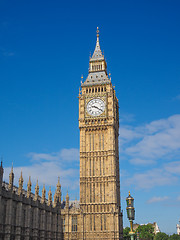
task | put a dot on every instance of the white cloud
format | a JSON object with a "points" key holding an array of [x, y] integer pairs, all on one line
{"points": [[71, 154], [173, 167], [151, 142], [177, 97], [178, 198], [47, 167], [151, 178], [140, 161], [157, 199], [127, 117]]}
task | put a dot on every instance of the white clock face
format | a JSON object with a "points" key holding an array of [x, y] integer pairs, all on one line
{"points": [[96, 107]]}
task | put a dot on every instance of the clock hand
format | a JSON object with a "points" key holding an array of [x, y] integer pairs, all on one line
{"points": [[97, 108]]}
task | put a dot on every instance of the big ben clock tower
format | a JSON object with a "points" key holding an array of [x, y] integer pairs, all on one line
{"points": [[99, 153]]}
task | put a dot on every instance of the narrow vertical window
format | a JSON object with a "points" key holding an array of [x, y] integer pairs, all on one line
{"points": [[90, 222], [103, 141], [63, 224], [100, 165], [93, 166], [90, 166], [93, 141], [90, 192], [104, 192], [103, 166], [101, 223], [100, 142], [100, 192], [94, 191], [90, 142], [104, 222], [74, 223], [94, 223]]}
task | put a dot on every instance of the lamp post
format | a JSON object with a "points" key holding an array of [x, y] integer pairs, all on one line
{"points": [[130, 214]]}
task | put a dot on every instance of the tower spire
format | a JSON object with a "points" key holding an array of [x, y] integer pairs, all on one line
{"points": [[49, 197], [36, 191], [97, 67], [21, 180], [97, 31], [11, 178], [97, 55], [29, 187]]}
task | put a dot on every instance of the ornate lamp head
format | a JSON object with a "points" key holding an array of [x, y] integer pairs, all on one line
{"points": [[130, 207]]}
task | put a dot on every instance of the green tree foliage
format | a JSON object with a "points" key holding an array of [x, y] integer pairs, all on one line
{"points": [[174, 237], [161, 236], [146, 232], [126, 235]]}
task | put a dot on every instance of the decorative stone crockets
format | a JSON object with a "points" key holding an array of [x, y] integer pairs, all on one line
{"points": [[20, 188], [11, 179], [36, 191], [43, 198], [57, 195], [29, 187], [49, 197], [67, 201]]}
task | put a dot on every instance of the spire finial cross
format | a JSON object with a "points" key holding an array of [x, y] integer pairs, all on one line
{"points": [[97, 31]]}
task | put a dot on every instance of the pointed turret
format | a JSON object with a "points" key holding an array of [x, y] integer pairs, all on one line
{"points": [[49, 197], [97, 55], [43, 198], [11, 178], [36, 191], [57, 195], [55, 200], [67, 200], [20, 188], [58, 190], [97, 67], [29, 187]]}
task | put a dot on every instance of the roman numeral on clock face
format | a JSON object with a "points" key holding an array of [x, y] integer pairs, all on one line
{"points": [[95, 107]]}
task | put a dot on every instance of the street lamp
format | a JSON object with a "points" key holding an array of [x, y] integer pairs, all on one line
{"points": [[130, 213]]}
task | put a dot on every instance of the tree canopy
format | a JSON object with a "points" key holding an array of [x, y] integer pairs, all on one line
{"points": [[146, 232], [126, 235], [161, 236]]}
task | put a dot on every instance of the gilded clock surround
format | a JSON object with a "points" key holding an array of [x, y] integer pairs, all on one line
{"points": [[101, 97]]}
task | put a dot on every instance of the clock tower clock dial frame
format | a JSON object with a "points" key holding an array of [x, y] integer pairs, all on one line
{"points": [[99, 153]]}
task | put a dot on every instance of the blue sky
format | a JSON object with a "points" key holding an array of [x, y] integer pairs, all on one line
{"points": [[44, 50]]}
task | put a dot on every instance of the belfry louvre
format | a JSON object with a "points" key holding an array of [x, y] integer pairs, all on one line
{"points": [[97, 215]]}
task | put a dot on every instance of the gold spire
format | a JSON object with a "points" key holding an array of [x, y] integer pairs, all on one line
{"points": [[36, 191], [58, 189], [29, 187], [67, 200], [129, 193], [57, 195], [43, 198], [11, 178], [97, 31], [21, 180], [55, 199], [49, 197]]}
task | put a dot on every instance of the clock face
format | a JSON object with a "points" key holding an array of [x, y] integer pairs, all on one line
{"points": [[96, 107]]}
